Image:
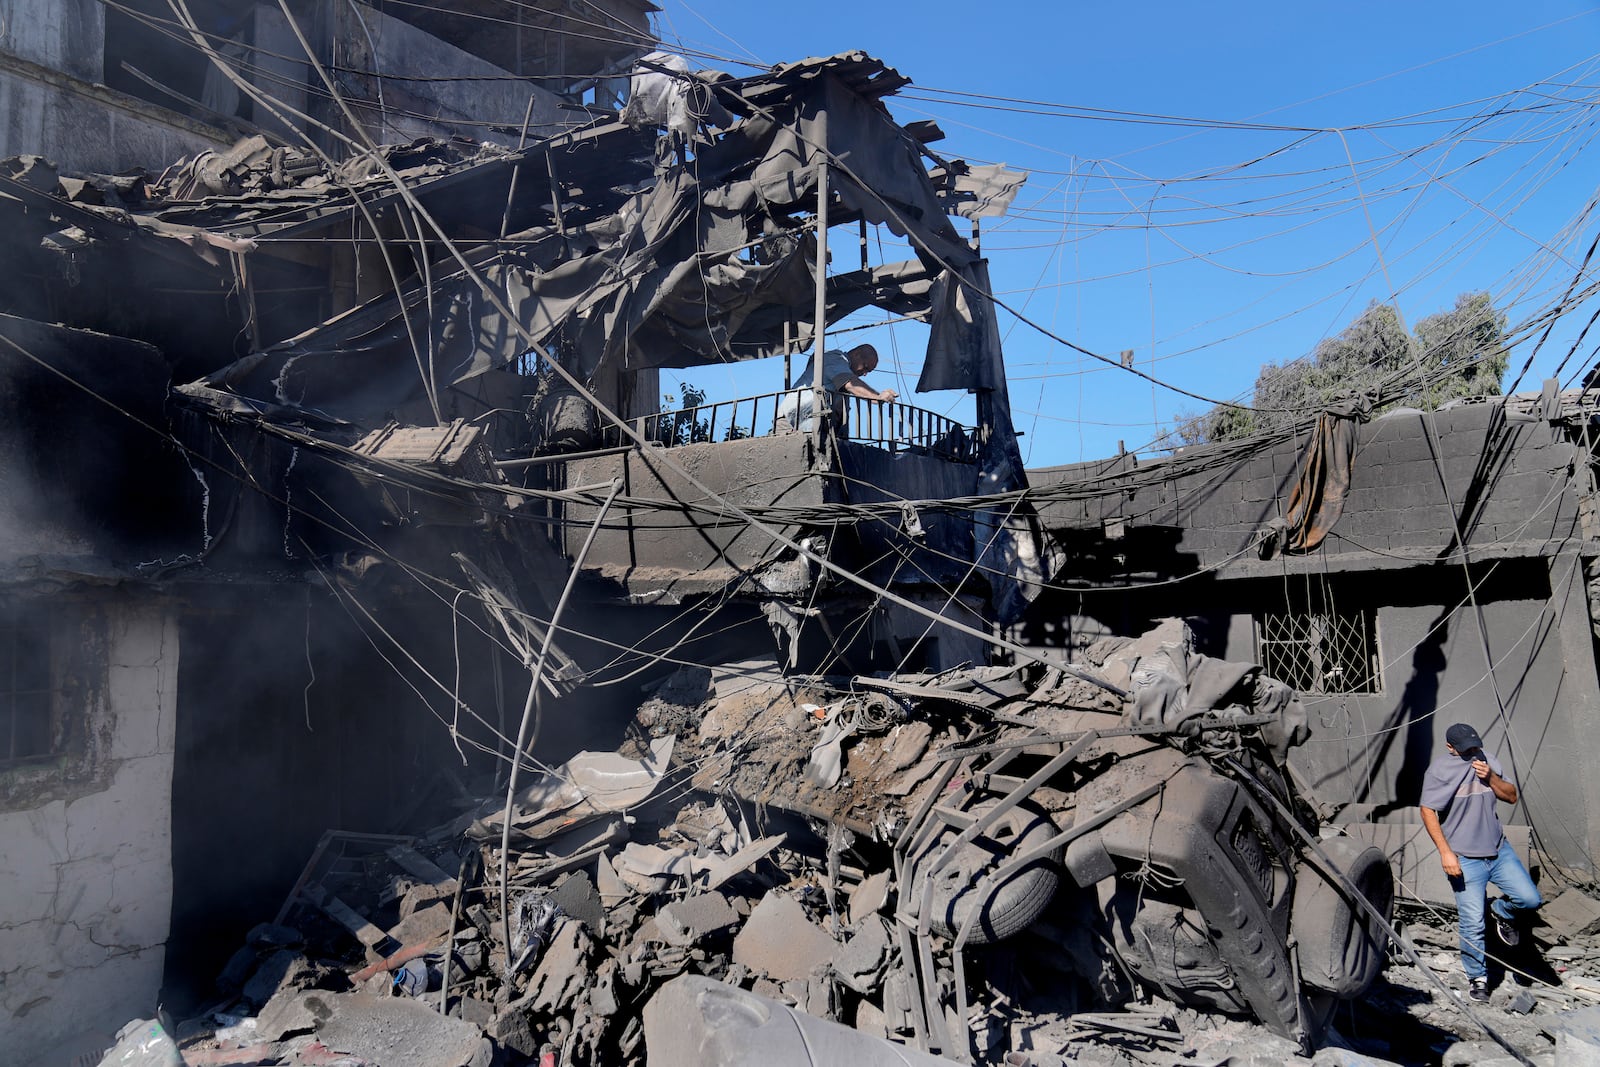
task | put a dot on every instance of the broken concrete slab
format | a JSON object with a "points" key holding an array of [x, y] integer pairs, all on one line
{"points": [[285, 968], [860, 960], [718, 871], [1574, 1051], [424, 926], [288, 1012], [781, 942], [697, 1022], [1572, 914], [576, 896], [397, 1032], [563, 970], [683, 922], [869, 896]]}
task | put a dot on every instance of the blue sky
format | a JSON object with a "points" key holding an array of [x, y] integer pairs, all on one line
{"points": [[1343, 153]]}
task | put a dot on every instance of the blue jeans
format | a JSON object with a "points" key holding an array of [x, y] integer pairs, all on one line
{"points": [[1471, 889]]}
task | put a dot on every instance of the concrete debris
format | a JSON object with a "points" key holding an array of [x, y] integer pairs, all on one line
{"points": [[779, 941], [683, 922], [1573, 913], [869, 896], [1572, 1051], [563, 971], [283, 969], [695, 1022], [399, 1032], [859, 963], [726, 937]]}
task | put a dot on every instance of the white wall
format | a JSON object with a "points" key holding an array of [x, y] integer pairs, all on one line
{"points": [[86, 876]]}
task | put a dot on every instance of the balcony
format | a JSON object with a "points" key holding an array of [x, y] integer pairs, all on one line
{"points": [[894, 427]]}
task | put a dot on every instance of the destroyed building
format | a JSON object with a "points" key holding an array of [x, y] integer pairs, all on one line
{"points": [[354, 579], [1440, 573]]}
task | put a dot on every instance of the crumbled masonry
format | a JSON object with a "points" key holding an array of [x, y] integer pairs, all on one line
{"points": [[723, 876]]}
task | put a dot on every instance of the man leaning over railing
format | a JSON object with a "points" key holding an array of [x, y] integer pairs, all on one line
{"points": [[841, 376]]}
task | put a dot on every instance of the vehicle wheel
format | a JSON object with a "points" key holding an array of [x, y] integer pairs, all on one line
{"points": [[1007, 908], [1341, 946]]}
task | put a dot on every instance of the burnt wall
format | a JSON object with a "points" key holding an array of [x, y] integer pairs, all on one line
{"points": [[84, 831], [666, 552], [292, 720], [1392, 560], [89, 476], [942, 553], [1507, 480]]}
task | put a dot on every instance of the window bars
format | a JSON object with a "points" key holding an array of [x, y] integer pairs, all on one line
{"points": [[1320, 653]]}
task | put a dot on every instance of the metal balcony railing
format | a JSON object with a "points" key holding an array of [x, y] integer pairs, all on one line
{"points": [[894, 426]]}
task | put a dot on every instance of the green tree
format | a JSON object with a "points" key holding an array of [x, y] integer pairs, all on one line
{"points": [[1455, 353], [682, 427]]}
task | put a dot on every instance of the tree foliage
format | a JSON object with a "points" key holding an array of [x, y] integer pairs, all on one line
{"points": [[1456, 353]]}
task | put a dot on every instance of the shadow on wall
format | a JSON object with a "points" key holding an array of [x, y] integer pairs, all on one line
{"points": [[1419, 700]]}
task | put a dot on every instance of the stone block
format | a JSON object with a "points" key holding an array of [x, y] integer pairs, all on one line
{"points": [[284, 969], [684, 922], [781, 942], [1572, 914], [398, 1032]]}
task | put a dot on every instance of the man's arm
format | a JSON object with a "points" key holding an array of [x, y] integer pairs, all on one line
{"points": [[1447, 857], [1503, 790], [856, 387]]}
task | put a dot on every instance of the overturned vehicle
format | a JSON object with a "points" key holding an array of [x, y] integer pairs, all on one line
{"points": [[1134, 830]]}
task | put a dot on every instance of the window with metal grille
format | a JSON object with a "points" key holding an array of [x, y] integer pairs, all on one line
{"points": [[27, 730], [1320, 652]]}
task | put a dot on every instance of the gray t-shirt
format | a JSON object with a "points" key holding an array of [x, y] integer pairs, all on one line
{"points": [[795, 407], [1465, 804]]}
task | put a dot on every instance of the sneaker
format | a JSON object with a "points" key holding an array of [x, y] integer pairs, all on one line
{"points": [[1506, 930], [1478, 990]]}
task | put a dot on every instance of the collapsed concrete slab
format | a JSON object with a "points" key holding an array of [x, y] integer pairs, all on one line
{"points": [[696, 1022]]}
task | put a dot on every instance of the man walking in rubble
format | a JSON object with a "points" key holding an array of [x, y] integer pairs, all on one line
{"points": [[1459, 794], [841, 375]]}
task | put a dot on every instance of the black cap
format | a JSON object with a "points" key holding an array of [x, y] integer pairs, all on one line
{"points": [[1463, 737]]}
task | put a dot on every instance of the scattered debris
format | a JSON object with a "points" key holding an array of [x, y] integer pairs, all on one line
{"points": [[1102, 861]]}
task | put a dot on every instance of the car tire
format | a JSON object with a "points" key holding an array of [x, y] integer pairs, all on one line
{"points": [[1008, 908]]}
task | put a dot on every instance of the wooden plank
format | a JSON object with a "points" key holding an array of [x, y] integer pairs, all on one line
{"points": [[415, 863], [354, 921]]}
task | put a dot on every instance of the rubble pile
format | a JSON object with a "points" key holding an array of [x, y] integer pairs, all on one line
{"points": [[831, 870]]}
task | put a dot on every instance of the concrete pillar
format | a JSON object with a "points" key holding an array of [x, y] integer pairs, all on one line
{"points": [[1579, 703]]}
